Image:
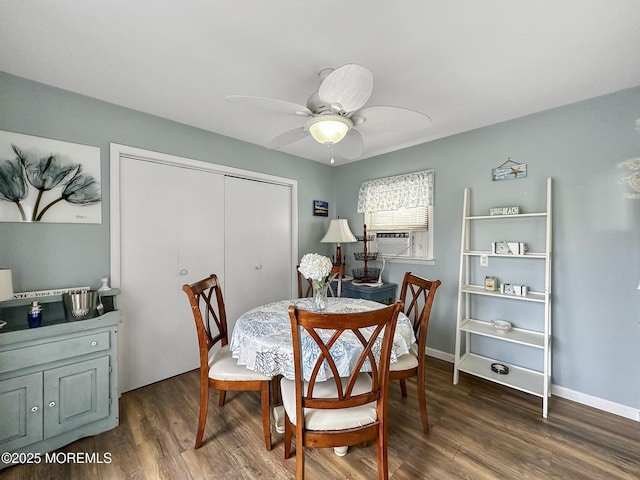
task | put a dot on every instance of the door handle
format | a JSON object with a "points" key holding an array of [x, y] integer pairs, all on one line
{"points": [[184, 272], [258, 267]]}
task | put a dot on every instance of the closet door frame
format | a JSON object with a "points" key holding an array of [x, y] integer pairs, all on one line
{"points": [[117, 151]]}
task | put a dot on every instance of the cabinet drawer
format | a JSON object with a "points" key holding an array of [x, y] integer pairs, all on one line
{"points": [[53, 351]]}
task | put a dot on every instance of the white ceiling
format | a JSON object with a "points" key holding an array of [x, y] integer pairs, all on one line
{"points": [[465, 63]]}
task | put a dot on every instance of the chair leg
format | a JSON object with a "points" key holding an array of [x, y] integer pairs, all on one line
{"points": [[223, 394], [299, 458], [422, 400], [204, 407], [381, 453], [403, 387], [288, 434], [275, 389], [265, 396]]}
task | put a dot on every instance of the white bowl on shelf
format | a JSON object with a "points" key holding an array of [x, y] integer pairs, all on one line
{"points": [[501, 326]]}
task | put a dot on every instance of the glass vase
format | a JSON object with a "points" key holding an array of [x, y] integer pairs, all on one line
{"points": [[319, 295]]}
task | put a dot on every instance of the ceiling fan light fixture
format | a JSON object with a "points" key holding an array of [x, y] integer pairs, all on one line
{"points": [[328, 128]]}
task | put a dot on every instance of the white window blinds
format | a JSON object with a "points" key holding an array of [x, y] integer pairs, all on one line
{"points": [[397, 203]]}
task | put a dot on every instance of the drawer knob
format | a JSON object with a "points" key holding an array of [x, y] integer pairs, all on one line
{"points": [[34, 409], [94, 343], [52, 403]]}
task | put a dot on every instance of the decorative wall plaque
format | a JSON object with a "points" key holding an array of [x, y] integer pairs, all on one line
{"points": [[509, 170]]}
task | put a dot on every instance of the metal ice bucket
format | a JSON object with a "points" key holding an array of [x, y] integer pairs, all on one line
{"points": [[80, 304]]}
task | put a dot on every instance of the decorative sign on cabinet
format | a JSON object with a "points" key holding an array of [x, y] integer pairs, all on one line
{"points": [[58, 382], [480, 346]]}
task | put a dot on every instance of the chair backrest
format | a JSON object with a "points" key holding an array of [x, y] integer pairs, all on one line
{"points": [[304, 284], [305, 287], [207, 306], [417, 294], [321, 332], [336, 276]]}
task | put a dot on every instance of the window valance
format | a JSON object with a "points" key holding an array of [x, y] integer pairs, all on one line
{"points": [[410, 190]]}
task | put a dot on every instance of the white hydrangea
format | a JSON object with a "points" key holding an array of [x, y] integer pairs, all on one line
{"points": [[315, 267]]}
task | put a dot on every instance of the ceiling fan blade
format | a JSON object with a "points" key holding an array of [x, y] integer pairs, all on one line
{"points": [[288, 137], [270, 104], [351, 146], [350, 86], [384, 118]]}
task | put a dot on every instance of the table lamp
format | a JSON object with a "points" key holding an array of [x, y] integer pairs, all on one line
{"points": [[338, 233], [6, 285]]}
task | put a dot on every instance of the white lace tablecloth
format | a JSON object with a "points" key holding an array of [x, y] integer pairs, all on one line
{"points": [[261, 338]]}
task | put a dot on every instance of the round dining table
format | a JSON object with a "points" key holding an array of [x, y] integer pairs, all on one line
{"points": [[261, 338]]}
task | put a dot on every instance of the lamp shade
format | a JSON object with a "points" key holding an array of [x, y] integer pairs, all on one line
{"points": [[338, 232], [329, 128], [6, 284]]}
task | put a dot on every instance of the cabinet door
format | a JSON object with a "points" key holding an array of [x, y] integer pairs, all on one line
{"points": [[21, 407], [75, 395]]}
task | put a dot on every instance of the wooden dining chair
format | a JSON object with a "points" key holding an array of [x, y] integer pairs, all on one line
{"points": [[417, 295], [218, 369], [305, 286], [348, 408]]}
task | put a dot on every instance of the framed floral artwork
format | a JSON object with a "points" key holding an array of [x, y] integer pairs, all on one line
{"points": [[44, 180]]}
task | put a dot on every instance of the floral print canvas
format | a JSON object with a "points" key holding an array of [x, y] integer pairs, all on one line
{"points": [[43, 180]]}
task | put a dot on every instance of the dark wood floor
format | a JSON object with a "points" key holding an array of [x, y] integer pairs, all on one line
{"points": [[479, 430]]}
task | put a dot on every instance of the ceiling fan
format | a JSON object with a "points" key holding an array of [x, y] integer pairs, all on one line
{"points": [[335, 113]]}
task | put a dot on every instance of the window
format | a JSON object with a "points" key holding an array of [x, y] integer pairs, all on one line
{"points": [[399, 211]]}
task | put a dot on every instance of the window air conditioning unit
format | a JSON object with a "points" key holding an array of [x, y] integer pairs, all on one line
{"points": [[394, 244]]}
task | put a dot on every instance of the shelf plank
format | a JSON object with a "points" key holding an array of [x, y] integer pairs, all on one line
{"points": [[479, 290], [476, 253], [511, 217], [522, 379], [515, 335]]}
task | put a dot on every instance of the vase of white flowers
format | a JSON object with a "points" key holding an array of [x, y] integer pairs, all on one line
{"points": [[317, 268], [319, 295]]}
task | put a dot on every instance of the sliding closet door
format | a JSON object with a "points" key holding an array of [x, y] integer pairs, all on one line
{"points": [[171, 222], [258, 245]]}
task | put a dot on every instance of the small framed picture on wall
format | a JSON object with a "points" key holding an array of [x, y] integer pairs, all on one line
{"points": [[320, 208]]}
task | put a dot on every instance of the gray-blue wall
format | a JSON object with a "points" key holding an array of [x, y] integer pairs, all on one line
{"points": [[596, 264], [596, 228], [46, 256]]}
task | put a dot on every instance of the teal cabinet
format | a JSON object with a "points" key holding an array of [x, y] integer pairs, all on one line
{"points": [[58, 383]]}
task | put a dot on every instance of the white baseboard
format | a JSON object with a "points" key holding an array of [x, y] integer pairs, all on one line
{"points": [[596, 402], [440, 355], [578, 397]]}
